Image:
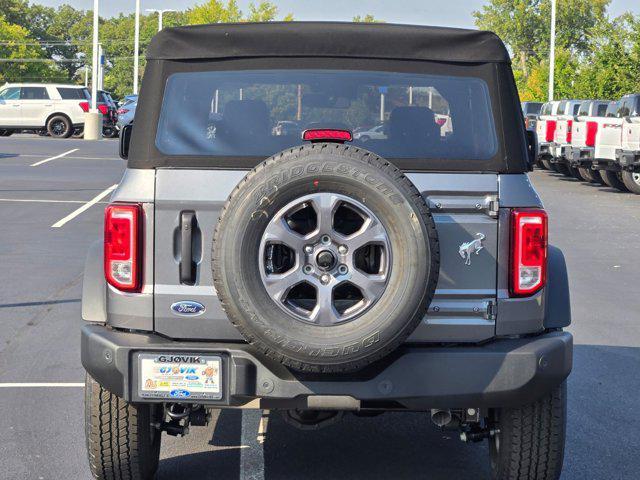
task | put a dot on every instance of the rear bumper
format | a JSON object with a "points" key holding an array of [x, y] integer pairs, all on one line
{"points": [[505, 372], [629, 160], [560, 153], [580, 156]]}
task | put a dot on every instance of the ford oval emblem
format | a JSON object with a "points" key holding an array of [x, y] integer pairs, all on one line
{"points": [[188, 308], [179, 393]]}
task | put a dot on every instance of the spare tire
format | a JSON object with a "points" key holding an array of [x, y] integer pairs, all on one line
{"points": [[325, 257]]}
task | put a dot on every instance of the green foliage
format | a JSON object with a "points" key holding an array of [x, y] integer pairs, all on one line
{"points": [[596, 57], [368, 18]]}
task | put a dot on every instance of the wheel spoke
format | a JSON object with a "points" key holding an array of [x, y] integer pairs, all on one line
{"points": [[279, 232], [371, 232], [325, 312], [278, 285], [324, 204], [371, 285]]}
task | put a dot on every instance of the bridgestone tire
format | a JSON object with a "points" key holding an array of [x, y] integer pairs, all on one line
{"points": [[67, 128], [613, 180], [121, 442], [353, 173], [530, 444], [632, 181]]}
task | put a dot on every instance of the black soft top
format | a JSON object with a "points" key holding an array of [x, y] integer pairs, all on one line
{"points": [[327, 39]]}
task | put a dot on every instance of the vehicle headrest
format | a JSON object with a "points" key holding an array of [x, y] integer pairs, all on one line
{"points": [[412, 122], [249, 117]]}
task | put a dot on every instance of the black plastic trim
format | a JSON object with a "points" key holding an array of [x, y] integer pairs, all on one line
{"points": [[558, 301]]}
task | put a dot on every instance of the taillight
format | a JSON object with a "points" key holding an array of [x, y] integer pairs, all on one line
{"points": [[441, 121], [103, 109], [122, 257], [528, 251], [551, 130], [592, 129], [122, 111], [569, 125], [327, 134], [84, 106]]}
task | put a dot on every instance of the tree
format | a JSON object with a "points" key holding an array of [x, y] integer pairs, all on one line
{"points": [[368, 18]]}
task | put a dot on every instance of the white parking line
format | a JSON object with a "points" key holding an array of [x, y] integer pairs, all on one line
{"points": [[53, 158], [41, 385], [84, 207], [37, 200]]}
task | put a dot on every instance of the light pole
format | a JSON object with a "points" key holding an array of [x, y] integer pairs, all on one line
{"points": [[136, 49], [93, 119], [161, 12], [552, 51]]}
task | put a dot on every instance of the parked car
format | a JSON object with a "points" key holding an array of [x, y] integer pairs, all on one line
{"points": [[530, 112], [567, 110], [628, 156], [579, 155], [56, 108], [107, 108], [127, 111], [287, 127], [375, 133], [247, 269], [545, 132]]}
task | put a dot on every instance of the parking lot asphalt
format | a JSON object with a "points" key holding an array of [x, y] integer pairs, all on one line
{"points": [[41, 427]]}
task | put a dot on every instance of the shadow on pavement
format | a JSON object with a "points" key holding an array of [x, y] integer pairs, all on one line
{"points": [[603, 421]]}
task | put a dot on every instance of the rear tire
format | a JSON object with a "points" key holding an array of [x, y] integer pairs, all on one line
{"points": [[59, 126], [563, 169], [588, 175], [121, 442], [632, 181], [531, 438], [613, 180], [78, 132], [6, 133], [548, 165], [574, 172]]}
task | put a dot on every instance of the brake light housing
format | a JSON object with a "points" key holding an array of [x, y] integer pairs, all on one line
{"points": [[327, 135], [84, 106], [550, 131], [122, 246], [529, 234], [102, 108], [592, 129], [569, 133]]}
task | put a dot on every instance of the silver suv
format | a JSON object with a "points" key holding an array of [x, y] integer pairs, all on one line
{"points": [[315, 274]]}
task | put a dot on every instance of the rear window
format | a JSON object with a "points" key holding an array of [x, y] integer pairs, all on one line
{"points": [[612, 109], [583, 111], [74, 93], [260, 112]]}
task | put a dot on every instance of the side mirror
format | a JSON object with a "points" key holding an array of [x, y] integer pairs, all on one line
{"points": [[532, 148], [125, 140]]}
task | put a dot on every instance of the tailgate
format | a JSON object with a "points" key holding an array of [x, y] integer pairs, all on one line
{"points": [[464, 207]]}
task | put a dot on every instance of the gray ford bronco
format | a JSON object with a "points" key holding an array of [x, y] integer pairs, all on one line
{"points": [[306, 271]]}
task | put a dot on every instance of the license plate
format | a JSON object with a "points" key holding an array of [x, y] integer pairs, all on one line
{"points": [[180, 376]]}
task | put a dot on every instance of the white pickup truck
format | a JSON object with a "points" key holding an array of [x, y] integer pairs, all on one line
{"points": [[567, 112], [628, 155], [579, 154], [590, 137], [545, 131]]}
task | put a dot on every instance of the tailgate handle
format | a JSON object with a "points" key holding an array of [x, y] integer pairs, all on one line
{"points": [[187, 265]]}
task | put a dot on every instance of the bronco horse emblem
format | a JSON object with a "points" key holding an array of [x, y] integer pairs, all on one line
{"points": [[468, 248]]}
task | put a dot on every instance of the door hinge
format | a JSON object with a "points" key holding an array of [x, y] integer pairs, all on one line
{"points": [[493, 206], [491, 310]]}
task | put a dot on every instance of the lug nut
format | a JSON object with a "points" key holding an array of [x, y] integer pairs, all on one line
{"points": [[308, 249], [325, 279], [308, 269], [343, 269], [342, 249], [326, 239]]}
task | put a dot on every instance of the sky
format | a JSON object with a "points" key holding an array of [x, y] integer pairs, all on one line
{"points": [[452, 13]]}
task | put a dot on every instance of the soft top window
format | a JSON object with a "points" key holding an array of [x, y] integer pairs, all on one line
{"points": [[260, 112]]}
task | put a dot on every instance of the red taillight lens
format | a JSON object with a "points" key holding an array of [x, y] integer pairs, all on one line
{"points": [[84, 106], [122, 111], [441, 121], [551, 130], [592, 129], [528, 251], [326, 134], [122, 258], [103, 109], [569, 125]]}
